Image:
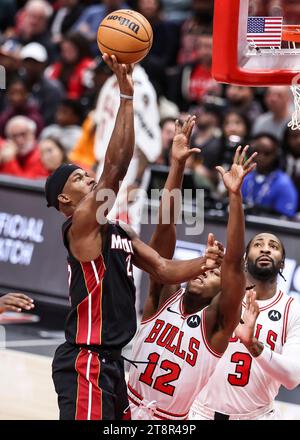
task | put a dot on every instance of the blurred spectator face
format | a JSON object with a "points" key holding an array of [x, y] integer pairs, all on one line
{"points": [[267, 154], [22, 134], [204, 49], [51, 155], [34, 69], [277, 98], [206, 120], [237, 95], [167, 134], [69, 52], [234, 125], [149, 8], [294, 142], [66, 116], [17, 95], [203, 9], [112, 4], [36, 18]]}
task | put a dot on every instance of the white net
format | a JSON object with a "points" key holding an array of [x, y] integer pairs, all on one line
{"points": [[295, 88]]}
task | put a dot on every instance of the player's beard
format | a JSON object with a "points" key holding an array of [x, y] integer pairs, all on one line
{"points": [[262, 273]]}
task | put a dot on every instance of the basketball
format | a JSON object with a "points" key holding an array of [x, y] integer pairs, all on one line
{"points": [[126, 34]]}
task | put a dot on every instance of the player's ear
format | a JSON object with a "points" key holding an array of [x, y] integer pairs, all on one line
{"points": [[282, 264], [64, 199]]}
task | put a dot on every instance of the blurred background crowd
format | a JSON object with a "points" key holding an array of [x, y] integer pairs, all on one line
{"points": [[60, 99]]}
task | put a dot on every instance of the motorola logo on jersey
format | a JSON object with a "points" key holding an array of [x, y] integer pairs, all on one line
{"points": [[274, 315], [193, 321]]}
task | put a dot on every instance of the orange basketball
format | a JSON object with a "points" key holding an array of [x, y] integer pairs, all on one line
{"points": [[126, 34]]}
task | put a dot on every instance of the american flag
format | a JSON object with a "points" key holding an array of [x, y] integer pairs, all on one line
{"points": [[265, 31]]}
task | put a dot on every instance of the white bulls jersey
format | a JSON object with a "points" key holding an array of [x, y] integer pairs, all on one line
{"points": [[239, 385], [180, 362]]}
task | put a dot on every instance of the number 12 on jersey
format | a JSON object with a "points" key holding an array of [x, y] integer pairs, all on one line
{"points": [[162, 382]]}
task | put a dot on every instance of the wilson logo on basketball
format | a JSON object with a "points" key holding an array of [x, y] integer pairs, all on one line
{"points": [[125, 22]]}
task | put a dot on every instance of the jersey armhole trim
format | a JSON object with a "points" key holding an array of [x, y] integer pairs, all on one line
{"points": [[204, 337], [163, 306], [285, 319]]}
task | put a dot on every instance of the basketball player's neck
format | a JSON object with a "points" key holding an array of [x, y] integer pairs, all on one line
{"points": [[193, 303], [264, 289]]}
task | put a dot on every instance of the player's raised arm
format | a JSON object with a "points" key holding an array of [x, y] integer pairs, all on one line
{"points": [[163, 239], [117, 159], [228, 304], [166, 271]]}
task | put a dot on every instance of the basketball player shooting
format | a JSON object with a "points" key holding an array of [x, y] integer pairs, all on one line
{"points": [[262, 355], [183, 334], [88, 370]]}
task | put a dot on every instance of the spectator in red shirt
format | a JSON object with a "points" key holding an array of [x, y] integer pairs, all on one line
{"points": [[19, 103], [19, 154], [74, 61]]}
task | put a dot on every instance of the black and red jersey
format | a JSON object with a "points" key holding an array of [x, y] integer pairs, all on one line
{"points": [[102, 293]]}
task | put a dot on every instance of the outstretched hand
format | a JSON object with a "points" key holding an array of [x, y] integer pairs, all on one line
{"points": [[233, 179], [246, 329], [123, 73], [181, 150], [214, 253]]}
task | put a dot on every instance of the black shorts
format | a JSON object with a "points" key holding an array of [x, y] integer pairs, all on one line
{"points": [[89, 385]]}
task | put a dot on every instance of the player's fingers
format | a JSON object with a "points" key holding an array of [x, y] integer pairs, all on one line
{"points": [[243, 155], [220, 245], [191, 126], [237, 155], [210, 240], [20, 303], [250, 160], [194, 151], [221, 170], [12, 309], [185, 124], [177, 128], [246, 172]]}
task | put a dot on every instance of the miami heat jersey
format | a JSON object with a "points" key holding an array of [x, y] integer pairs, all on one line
{"points": [[102, 293], [180, 361], [239, 385]]}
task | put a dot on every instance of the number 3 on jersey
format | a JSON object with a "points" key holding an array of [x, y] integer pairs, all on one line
{"points": [[242, 370]]}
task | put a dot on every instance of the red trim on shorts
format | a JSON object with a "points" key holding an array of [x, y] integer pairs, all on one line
{"points": [[285, 319], [164, 305], [89, 394], [204, 337]]}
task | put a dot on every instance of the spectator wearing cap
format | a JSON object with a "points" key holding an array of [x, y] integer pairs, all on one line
{"points": [[67, 127], [19, 154], [32, 25], [19, 103], [74, 61], [46, 93]]}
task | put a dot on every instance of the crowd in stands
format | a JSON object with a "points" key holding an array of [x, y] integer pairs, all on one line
{"points": [[61, 100]]}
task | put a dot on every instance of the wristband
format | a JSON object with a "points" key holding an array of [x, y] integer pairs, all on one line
{"points": [[129, 97]]}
